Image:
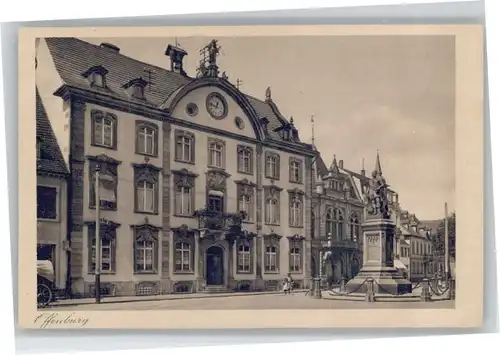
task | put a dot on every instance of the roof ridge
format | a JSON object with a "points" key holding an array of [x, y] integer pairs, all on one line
{"points": [[128, 57]]}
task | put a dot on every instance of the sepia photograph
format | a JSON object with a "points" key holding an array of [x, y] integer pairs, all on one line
{"points": [[255, 172]]}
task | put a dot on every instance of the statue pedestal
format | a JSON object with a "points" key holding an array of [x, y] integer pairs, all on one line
{"points": [[378, 261]]}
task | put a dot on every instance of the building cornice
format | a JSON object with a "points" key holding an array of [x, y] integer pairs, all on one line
{"points": [[148, 111]]}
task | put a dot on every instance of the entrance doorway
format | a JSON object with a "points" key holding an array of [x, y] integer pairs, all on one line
{"points": [[214, 266]]}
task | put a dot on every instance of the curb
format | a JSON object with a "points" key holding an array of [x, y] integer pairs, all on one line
{"points": [[141, 299]]}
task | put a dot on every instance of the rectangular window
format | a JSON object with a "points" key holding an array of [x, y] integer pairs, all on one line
{"points": [[146, 198], [271, 259], [184, 147], [295, 260], [272, 166], [245, 159], [244, 260], [183, 257], [104, 126], [106, 255], [144, 256], [272, 211], [216, 154], [183, 201], [46, 202], [215, 203], [146, 140]]}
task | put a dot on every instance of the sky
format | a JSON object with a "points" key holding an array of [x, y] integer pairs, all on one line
{"points": [[391, 93]]}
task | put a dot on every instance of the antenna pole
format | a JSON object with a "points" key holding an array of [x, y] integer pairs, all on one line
{"points": [[312, 129]]}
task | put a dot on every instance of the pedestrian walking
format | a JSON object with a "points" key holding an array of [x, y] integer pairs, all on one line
{"points": [[288, 284]]}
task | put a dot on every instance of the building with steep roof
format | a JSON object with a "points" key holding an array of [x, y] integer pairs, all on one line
{"points": [[52, 223], [337, 216], [204, 188]]}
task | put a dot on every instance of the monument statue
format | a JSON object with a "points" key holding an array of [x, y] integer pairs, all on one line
{"points": [[376, 196]]}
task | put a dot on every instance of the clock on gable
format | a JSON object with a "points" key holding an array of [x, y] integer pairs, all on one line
{"points": [[216, 106]]}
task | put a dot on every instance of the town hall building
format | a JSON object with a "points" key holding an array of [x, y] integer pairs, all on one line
{"points": [[202, 188]]}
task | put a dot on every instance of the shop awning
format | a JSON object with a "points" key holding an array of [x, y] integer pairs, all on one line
{"points": [[398, 264]]}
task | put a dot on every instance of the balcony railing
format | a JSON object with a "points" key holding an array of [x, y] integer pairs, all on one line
{"points": [[214, 220]]}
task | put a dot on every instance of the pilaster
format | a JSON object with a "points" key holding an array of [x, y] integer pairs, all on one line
{"points": [[76, 191]]}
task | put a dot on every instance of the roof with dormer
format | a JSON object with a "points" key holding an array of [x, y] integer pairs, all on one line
{"points": [[72, 57], [51, 160]]}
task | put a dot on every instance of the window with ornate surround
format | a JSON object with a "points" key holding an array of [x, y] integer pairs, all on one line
{"points": [[354, 227], [146, 181], [184, 147], [271, 253], [96, 76], [146, 138], [295, 253], [216, 153], [245, 192], [184, 196], [104, 126], [244, 255], [272, 205], [184, 250], [107, 232], [245, 159], [296, 208], [216, 188], [295, 170], [272, 168], [108, 181], [145, 248]]}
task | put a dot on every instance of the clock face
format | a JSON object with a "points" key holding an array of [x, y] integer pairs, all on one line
{"points": [[216, 106]]}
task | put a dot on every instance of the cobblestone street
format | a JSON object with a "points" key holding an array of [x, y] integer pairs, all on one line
{"points": [[273, 301]]}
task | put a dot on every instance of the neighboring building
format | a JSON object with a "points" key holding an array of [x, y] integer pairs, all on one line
{"points": [[52, 173], [180, 159], [419, 239], [337, 214]]}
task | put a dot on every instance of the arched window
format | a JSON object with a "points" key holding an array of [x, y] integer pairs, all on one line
{"points": [[339, 223], [354, 228], [183, 256], [329, 224]]}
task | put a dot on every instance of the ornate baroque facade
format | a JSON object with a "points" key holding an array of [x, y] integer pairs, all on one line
{"points": [[202, 188]]}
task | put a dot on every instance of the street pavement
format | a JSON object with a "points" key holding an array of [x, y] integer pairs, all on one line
{"points": [[256, 302]]}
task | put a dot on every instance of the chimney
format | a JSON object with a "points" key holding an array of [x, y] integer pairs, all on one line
{"points": [[176, 55], [341, 164], [110, 47]]}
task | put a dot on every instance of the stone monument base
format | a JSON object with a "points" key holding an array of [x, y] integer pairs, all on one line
{"points": [[387, 280]]}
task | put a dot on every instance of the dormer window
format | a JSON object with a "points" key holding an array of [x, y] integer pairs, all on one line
{"points": [[96, 76], [135, 88]]}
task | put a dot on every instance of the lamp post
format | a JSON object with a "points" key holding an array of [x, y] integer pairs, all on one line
{"points": [[97, 237]]}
